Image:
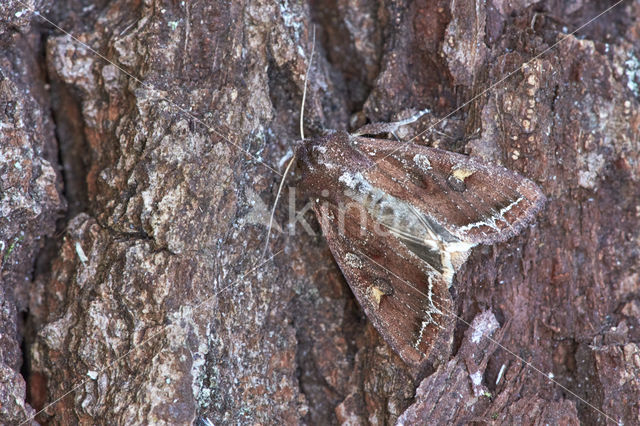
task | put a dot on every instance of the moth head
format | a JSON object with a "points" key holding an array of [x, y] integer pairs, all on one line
{"points": [[307, 151], [324, 152]]}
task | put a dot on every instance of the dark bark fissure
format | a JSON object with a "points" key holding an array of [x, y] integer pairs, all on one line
{"points": [[73, 148]]}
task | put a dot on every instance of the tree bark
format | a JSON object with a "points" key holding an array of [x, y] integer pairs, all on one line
{"points": [[153, 303]]}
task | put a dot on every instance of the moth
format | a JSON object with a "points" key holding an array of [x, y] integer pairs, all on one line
{"points": [[401, 220]]}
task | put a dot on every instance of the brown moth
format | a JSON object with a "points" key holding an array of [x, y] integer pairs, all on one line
{"points": [[401, 220]]}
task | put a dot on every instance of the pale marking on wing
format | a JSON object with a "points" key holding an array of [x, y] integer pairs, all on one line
{"points": [[422, 161], [428, 320], [462, 173], [423, 327], [492, 221], [446, 250], [510, 206], [460, 248], [376, 294], [353, 261], [427, 313], [501, 212], [429, 310]]}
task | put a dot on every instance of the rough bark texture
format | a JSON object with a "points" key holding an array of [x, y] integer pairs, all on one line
{"points": [[30, 192], [152, 304]]}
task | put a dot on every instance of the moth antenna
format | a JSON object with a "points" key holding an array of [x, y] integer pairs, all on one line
{"points": [[293, 158]]}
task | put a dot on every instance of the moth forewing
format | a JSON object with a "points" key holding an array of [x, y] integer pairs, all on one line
{"points": [[471, 199], [395, 290], [433, 206]]}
